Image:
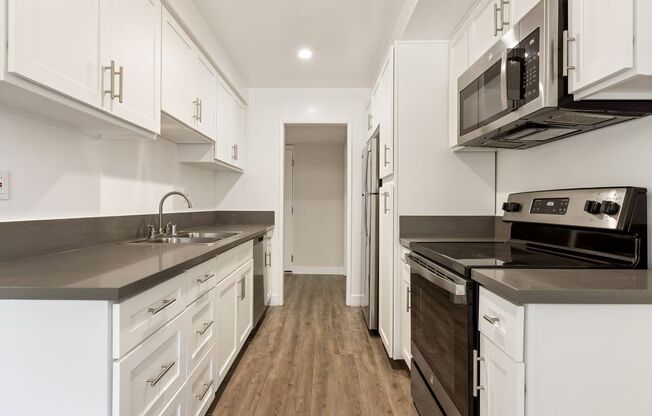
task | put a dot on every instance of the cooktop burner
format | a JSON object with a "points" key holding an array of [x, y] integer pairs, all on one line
{"points": [[462, 257]]}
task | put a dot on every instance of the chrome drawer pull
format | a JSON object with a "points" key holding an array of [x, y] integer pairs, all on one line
{"points": [[206, 388], [164, 304], [206, 278], [205, 328], [154, 381], [492, 321]]}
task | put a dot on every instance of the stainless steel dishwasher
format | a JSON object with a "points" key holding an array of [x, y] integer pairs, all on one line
{"points": [[260, 263]]}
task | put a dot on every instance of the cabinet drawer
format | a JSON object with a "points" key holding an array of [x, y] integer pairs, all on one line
{"points": [[147, 378], [200, 279], [502, 322], [229, 261], [176, 407], [201, 386], [201, 329], [140, 316]]}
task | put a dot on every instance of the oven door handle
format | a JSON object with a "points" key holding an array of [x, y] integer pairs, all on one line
{"points": [[456, 290]]}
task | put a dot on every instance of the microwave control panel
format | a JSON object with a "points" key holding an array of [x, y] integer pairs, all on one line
{"points": [[526, 57]]}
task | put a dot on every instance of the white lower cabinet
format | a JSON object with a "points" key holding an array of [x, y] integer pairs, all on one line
{"points": [[177, 407], [502, 382], [386, 267], [201, 317], [201, 386], [226, 303], [146, 379], [245, 311]]}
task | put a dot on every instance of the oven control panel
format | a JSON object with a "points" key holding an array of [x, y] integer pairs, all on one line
{"points": [[605, 208]]}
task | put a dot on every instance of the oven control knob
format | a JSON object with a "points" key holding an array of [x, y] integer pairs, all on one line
{"points": [[511, 206], [610, 207], [592, 207]]}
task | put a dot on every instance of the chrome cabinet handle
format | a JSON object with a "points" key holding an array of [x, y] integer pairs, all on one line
{"points": [[385, 198], [205, 328], [566, 40], [370, 121], [121, 74], [201, 111], [476, 363], [268, 259], [164, 304], [408, 306], [237, 152], [492, 321], [207, 387], [206, 278], [112, 74], [385, 155], [233, 152], [500, 9], [244, 287], [154, 381], [196, 104]]}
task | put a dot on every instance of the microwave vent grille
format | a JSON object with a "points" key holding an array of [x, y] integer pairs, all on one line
{"points": [[579, 119]]}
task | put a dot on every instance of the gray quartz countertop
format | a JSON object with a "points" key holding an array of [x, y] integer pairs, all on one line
{"points": [[407, 242], [594, 286], [112, 271]]}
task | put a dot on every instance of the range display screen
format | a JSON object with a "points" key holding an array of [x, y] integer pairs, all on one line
{"points": [[553, 206]]}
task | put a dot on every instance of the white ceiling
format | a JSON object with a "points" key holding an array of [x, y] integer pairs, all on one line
{"points": [[262, 37], [436, 19], [315, 134]]}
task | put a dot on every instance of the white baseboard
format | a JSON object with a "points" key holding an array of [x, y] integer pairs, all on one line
{"points": [[356, 300], [318, 270]]}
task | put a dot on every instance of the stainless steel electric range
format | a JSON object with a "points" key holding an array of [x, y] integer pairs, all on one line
{"points": [[573, 228]]}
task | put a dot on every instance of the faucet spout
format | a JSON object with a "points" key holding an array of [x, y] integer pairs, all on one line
{"points": [[161, 230]]}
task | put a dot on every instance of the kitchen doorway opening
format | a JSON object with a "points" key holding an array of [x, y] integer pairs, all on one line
{"points": [[316, 211]]}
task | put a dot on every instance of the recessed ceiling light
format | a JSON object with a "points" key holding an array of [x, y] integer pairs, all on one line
{"points": [[305, 54]]}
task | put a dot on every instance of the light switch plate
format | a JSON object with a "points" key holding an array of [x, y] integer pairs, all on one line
{"points": [[4, 184]]}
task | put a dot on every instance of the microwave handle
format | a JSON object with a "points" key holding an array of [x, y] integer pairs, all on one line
{"points": [[503, 80]]}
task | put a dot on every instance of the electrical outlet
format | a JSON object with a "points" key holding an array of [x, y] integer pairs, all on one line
{"points": [[4, 184]]}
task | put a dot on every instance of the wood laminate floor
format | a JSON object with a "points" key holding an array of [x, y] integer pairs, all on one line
{"points": [[314, 356]]}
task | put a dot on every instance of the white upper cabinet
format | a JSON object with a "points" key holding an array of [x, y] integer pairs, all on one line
{"points": [[59, 45], [609, 49], [489, 21], [384, 112], [206, 82], [177, 65], [231, 126], [458, 62], [521, 7], [104, 53], [134, 81]]}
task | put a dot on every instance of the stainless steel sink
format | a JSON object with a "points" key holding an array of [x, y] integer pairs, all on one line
{"points": [[190, 238]]}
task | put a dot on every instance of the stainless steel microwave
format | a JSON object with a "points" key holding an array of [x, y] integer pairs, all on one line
{"points": [[516, 95]]}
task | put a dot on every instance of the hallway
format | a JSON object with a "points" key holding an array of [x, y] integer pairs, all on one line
{"points": [[314, 356]]}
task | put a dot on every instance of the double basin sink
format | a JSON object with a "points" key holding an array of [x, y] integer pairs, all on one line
{"points": [[189, 238]]}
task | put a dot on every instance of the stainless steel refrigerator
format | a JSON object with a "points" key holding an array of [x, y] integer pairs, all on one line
{"points": [[370, 168]]}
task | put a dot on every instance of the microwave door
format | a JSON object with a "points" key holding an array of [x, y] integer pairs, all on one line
{"points": [[493, 90]]}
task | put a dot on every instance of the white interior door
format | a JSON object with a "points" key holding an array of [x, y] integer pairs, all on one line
{"points": [[288, 211]]}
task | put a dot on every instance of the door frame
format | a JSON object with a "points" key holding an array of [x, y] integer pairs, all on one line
{"points": [[348, 202], [290, 238]]}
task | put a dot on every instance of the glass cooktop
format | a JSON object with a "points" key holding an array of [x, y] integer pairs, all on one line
{"points": [[462, 257]]}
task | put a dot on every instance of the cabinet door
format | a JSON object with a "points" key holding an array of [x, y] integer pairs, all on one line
{"points": [[59, 44], [245, 312], [458, 56], [406, 348], [503, 380], [490, 21], [603, 33], [521, 7], [386, 267], [178, 91], [384, 110], [226, 344], [224, 150], [240, 131], [206, 82], [268, 267], [135, 45]]}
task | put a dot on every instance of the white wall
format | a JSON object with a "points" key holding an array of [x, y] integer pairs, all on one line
{"points": [[614, 156], [319, 214], [432, 180], [57, 173], [259, 188]]}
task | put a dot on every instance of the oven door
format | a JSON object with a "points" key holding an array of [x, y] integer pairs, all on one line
{"points": [[443, 334]]}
